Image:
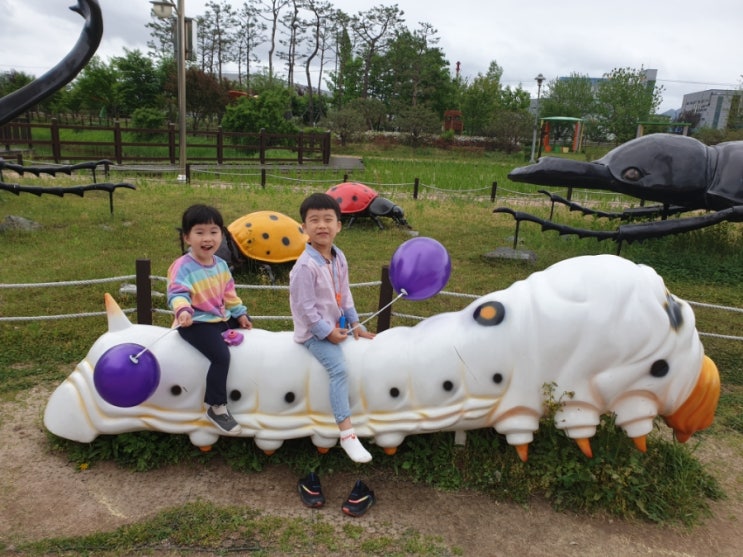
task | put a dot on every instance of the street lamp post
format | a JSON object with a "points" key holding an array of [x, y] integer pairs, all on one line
{"points": [[540, 78], [164, 10]]}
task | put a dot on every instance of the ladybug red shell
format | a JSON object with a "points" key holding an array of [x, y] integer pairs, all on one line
{"points": [[353, 197]]}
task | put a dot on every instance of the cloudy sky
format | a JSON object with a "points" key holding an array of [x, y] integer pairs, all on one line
{"points": [[693, 45]]}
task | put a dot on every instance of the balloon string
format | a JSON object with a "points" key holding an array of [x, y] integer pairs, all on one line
{"points": [[403, 292], [135, 358]]}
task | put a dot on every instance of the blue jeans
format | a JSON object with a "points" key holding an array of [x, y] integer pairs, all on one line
{"points": [[331, 357]]}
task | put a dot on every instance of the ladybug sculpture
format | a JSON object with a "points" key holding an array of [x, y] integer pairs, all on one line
{"points": [[266, 237], [358, 200]]}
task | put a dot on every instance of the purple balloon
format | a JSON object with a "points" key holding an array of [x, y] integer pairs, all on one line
{"points": [[124, 379], [421, 267]]}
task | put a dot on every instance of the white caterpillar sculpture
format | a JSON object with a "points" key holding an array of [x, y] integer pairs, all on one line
{"points": [[603, 331]]}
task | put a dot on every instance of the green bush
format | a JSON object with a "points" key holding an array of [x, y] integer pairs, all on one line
{"points": [[148, 118]]}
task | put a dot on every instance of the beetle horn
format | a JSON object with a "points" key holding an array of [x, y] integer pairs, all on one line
{"points": [[553, 171], [698, 411], [65, 71]]}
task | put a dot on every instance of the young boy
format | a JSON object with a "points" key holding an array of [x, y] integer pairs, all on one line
{"points": [[322, 307], [201, 292]]}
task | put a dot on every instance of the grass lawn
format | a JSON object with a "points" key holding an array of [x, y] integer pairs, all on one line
{"points": [[79, 240]]}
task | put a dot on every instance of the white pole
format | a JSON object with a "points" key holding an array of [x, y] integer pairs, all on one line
{"points": [[181, 39], [540, 78]]}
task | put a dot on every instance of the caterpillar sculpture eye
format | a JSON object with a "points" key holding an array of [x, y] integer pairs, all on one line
{"points": [[490, 313]]}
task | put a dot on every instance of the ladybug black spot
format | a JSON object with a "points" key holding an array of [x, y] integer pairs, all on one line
{"points": [[248, 224], [286, 241], [265, 235], [273, 217], [289, 397], [355, 198]]}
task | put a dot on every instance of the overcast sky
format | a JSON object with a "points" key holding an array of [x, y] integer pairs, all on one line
{"points": [[693, 45]]}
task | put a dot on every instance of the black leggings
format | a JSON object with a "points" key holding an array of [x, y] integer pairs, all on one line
{"points": [[207, 339]]}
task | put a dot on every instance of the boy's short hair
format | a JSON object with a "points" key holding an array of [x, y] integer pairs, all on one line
{"points": [[200, 214], [319, 201]]}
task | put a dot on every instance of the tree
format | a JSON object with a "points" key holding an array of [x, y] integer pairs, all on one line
{"points": [[481, 100], [345, 122], [12, 81], [217, 34], [345, 83], [292, 23], [247, 40], [416, 121], [273, 8], [625, 98], [510, 128], [318, 29], [570, 96], [373, 112], [375, 28], [162, 38], [270, 110], [95, 89], [413, 71], [207, 96], [138, 84]]}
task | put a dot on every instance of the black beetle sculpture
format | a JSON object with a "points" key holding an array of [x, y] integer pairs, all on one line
{"points": [[681, 173], [60, 75], [65, 71], [359, 200]]}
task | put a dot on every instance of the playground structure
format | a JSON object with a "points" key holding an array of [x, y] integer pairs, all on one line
{"points": [[548, 139]]}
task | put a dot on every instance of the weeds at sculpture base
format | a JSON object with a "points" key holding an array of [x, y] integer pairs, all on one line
{"points": [[665, 484]]}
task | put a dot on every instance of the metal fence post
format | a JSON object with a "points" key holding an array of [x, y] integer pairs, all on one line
{"points": [[144, 292], [385, 297]]}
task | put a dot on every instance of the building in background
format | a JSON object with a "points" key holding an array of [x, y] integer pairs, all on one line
{"points": [[714, 107]]}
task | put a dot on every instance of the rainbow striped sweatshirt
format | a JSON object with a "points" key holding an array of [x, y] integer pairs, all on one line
{"points": [[205, 291]]}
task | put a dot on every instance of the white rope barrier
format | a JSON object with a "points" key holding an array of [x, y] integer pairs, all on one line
{"points": [[370, 284], [67, 283], [61, 316]]}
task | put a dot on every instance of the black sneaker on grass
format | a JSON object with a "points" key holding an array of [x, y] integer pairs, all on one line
{"points": [[310, 491], [225, 422], [359, 501]]}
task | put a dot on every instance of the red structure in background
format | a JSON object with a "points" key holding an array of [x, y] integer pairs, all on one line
{"points": [[453, 121]]}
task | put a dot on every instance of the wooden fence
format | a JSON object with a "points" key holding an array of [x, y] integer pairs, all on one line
{"points": [[62, 143]]}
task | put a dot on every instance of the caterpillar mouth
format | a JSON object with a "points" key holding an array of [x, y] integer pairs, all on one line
{"points": [[698, 411]]}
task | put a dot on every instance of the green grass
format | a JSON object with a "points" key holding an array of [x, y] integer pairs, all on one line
{"points": [[80, 240], [204, 527]]}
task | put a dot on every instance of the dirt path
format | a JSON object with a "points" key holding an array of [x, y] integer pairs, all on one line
{"points": [[41, 495]]}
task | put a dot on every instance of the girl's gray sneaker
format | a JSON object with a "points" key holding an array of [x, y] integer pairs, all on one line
{"points": [[225, 421]]}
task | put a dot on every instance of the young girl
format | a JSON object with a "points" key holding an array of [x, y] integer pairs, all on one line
{"points": [[320, 300], [201, 292]]}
